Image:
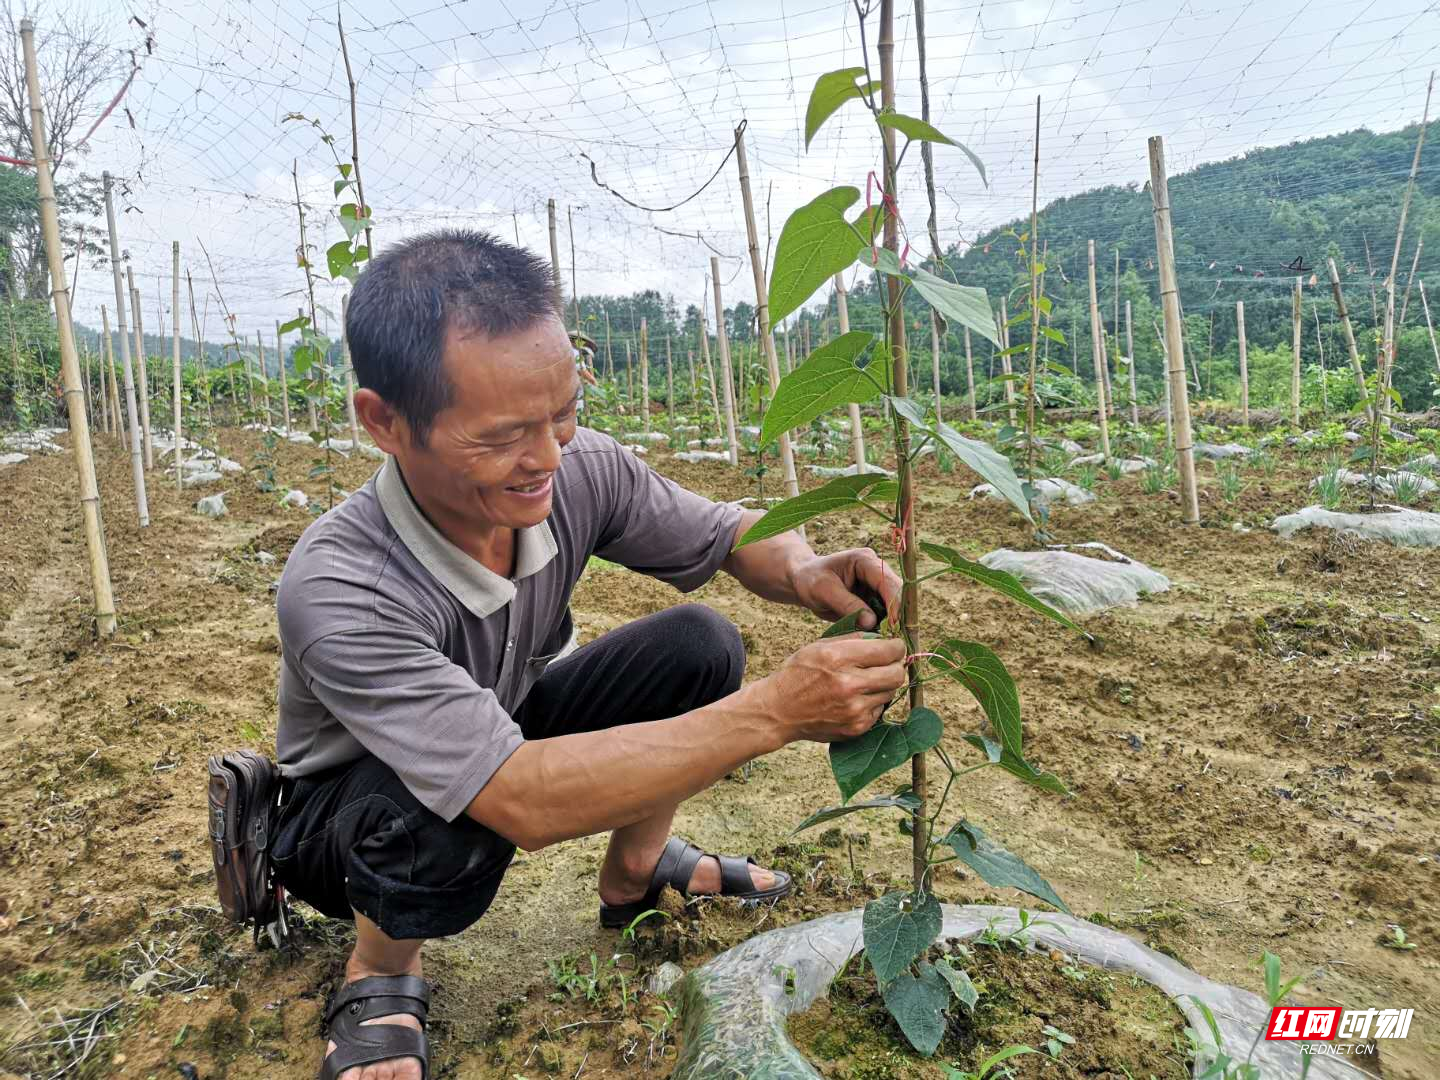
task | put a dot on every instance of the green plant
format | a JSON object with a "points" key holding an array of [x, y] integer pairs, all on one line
{"points": [[1329, 487], [1085, 477], [816, 242], [1231, 483], [1397, 939], [988, 1068], [1266, 462], [1224, 1067], [1056, 1040], [1155, 479], [1407, 488], [1113, 469]]}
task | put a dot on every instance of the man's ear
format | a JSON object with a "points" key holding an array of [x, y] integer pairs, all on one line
{"points": [[385, 425]]}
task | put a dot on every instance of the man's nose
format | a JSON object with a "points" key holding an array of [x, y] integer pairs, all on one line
{"points": [[544, 455]]}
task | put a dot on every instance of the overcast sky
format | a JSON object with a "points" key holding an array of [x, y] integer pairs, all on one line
{"points": [[474, 112]]}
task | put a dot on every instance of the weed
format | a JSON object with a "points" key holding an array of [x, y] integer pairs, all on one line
{"points": [[1056, 1040], [1113, 469], [1407, 488], [1231, 484], [1085, 477], [1329, 488], [1155, 479], [1396, 939]]}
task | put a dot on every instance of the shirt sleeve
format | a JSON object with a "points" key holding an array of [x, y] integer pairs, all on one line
{"points": [[415, 710], [657, 527]]}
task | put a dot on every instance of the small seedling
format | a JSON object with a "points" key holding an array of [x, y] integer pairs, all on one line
{"points": [[1396, 939], [1056, 1040], [1407, 488], [1155, 479], [1085, 477], [1231, 485], [1329, 488]]}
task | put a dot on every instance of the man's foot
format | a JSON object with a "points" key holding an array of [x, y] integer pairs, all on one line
{"points": [[625, 884], [399, 1068]]}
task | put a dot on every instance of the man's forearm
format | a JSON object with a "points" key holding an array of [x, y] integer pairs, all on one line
{"points": [[766, 568], [577, 785]]}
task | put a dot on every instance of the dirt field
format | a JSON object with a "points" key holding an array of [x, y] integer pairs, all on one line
{"points": [[1253, 757]]}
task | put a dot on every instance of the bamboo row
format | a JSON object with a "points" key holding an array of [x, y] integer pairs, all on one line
{"points": [[137, 466]]}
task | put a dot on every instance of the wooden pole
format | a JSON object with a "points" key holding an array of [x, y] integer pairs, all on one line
{"points": [[1097, 352], [972, 414], [629, 387], [910, 595], [762, 309], [931, 224], [857, 429], [349, 376], [1130, 352], [645, 374], [1034, 305], [694, 382], [1174, 338], [1356, 368], [723, 346], [1320, 344], [177, 426], [574, 280], [1005, 367], [1244, 363], [117, 417], [1429, 326], [669, 387], [284, 379], [1410, 282], [310, 398], [69, 364], [143, 375], [1388, 352], [1295, 356], [554, 248], [137, 465], [265, 377], [106, 424]]}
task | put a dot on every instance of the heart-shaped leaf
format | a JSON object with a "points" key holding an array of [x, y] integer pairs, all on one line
{"points": [[981, 672], [856, 762], [1017, 767], [828, 378], [339, 258], [832, 90], [297, 323], [897, 928], [994, 864], [905, 800], [815, 244], [1006, 584], [837, 494], [918, 1005], [962, 305], [984, 460], [914, 128], [960, 984]]}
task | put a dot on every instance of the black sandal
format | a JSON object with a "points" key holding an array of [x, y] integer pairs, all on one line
{"points": [[359, 1044], [676, 867]]}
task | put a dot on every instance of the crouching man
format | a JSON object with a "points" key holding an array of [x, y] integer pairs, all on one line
{"points": [[434, 714]]}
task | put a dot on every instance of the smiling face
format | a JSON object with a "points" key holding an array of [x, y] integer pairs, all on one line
{"points": [[491, 454]]}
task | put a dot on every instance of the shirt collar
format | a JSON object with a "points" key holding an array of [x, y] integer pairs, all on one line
{"points": [[479, 588]]}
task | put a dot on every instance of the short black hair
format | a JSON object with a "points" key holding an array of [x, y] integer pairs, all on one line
{"points": [[406, 300]]}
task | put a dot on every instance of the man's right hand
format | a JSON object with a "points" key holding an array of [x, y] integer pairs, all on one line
{"points": [[834, 689]]}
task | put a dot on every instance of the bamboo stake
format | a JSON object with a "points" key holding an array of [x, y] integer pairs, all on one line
{"points": [[1130, 352], [554, 247], [931, 226], [309, 399], [1355, 366], [354, 136], [117, 418], [106, 424], [176, 426], [264, 377], [1034, 307], [1429, 326], [1320, 343], [204, 367], [69, 365], [1170, 301], [1388, 362], [720, 418], [1003, 326], [1244, 363], [143, 375], [969, 378], [857, 429], [629, 388], [1097, 351], [910, 596], [137, 466], [722, 344], [1295, 356], [284, 379], [1410, 281], [609, 358], [574, 280], [669, 387], [645, 373], [762, 308], [695, 402], [349, 376]]}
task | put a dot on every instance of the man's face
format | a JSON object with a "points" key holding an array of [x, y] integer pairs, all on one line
{"points": [[491, 454]]}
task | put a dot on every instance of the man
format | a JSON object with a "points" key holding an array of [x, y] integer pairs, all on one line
{"points": [[433, 716]]}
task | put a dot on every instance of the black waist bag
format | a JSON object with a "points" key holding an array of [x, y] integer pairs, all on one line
{"points": [[244, 793]]}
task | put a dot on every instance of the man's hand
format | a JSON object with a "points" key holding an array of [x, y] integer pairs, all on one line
{"points": [[826, 585], [834, 689]]}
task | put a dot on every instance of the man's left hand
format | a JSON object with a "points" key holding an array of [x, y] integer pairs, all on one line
{"points": [[826, 585]]}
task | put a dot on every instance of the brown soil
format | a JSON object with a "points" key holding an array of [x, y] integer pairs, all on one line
{"points": [[1253, 757], [1025, 999]]}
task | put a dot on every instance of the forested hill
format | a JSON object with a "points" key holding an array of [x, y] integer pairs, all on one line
{"points": [[1239, 227]]}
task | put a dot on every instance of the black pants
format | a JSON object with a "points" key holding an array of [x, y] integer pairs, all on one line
{"points": [[356, 838]]}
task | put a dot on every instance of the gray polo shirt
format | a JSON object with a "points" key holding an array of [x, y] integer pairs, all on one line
{"points": [[396, 643]]}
